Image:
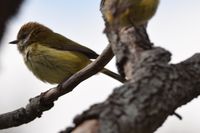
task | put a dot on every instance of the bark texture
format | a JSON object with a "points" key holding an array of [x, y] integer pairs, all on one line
{"points": [[155, 88], [143, 104]]}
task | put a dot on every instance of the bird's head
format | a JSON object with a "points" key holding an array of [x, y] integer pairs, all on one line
{"points": [[29, 33]]}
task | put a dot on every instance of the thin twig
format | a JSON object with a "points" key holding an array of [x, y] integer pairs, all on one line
{"points": [[80, 76]]}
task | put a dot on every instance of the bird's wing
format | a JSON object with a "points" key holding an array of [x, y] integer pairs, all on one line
{"points": [[60, 42]]}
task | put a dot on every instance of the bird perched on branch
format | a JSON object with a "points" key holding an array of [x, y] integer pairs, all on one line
{"points": [[52, 57], [127, 12]]}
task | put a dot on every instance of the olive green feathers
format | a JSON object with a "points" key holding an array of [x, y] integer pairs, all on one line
{"points": [[129, 12], [52, 57]]}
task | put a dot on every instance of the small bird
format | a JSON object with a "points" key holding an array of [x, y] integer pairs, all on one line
{"points": [[126, 12], [52, 57]]}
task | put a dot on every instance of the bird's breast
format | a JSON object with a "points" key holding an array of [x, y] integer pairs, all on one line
{"points": [[51, 65]]}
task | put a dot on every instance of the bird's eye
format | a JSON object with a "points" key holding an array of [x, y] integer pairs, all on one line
{"points": [[23, 36]]}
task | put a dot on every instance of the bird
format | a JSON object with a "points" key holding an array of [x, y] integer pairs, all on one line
{"points": [[129, 12], [50, 56]]}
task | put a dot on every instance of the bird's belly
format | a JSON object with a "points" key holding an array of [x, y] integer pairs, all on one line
{"points": [[144, 11], [54, 66], [48, 71]]}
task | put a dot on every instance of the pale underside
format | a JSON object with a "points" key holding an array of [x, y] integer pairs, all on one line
{"points": [[51, 65]]}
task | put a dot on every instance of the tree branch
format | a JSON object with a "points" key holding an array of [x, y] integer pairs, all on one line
{"points": [[155, 88], [143, 104], [45, 101]]}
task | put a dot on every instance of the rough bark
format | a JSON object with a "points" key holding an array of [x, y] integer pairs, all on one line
{"points": [[8, 9], [143, 104], [155, 88]]}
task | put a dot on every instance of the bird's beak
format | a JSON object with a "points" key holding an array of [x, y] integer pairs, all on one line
{"points": [[14, 42]]}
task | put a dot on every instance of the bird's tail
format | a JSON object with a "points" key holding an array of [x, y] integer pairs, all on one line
{"points": [[113, 75]]}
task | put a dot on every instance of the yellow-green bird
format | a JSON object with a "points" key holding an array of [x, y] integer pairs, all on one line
{"points": [[52, 57], [127, 12]]}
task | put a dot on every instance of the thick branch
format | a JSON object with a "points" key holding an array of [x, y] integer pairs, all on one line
{"points": [[155, 88], [45, 101], [143, 104]]}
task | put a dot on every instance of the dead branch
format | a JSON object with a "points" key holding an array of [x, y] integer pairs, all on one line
{"points": [[155, 88]]}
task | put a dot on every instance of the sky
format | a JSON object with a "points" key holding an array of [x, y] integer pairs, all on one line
{"points": [[174, 27]]}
